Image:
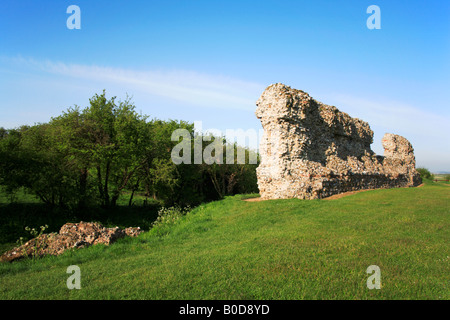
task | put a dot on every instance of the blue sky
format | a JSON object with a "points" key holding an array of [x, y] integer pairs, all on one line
{"points": [[210, 60]]}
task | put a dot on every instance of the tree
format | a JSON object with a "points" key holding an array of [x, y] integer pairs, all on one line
{"points": [[29, 160], [105, 144], [115, 144], [71, 136], [228, 176], [425, 173], [91, 156]]}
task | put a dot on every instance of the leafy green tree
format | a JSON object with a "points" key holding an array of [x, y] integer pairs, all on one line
{"points": [[3, 132], [92, 156], [114, 143], [227, 175], [162, 178], [29, 160], [72, 141], [12, 161], [425, 173]]}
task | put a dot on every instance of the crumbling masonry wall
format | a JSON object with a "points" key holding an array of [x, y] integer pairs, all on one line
{"points": [[310, 150]]}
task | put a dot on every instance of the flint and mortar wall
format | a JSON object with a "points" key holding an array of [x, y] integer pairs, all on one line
{"points": [[310, 150]]}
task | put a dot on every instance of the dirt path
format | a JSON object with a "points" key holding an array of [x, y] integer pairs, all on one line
{"points": [[253, 199]]}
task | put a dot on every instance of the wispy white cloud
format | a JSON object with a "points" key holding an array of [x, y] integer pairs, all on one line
{"points": [[48, 87], [199, 89], [427, 131], [395, 115]]}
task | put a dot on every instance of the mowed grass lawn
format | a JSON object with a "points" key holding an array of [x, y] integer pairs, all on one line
{"points": [[278, 249]]}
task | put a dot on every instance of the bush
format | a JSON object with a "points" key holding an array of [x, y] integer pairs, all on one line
{"points": [[425, 173], [169, 216]]}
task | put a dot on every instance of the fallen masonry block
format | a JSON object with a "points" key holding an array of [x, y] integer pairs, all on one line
{"points": [[71, 235]]}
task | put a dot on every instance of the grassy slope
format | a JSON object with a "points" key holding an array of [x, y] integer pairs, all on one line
{"points": [[279, 249]]}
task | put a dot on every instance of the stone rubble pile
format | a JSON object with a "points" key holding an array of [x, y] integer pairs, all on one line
{"points": [[310, 150], [71, 235]]}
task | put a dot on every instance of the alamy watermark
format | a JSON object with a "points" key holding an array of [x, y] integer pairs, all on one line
{"points": [[74, 281], [374, 281], [220, 149], [74, 20], [374, 21]]}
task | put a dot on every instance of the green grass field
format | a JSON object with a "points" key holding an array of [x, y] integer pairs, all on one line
{"points": [[278, 249]]}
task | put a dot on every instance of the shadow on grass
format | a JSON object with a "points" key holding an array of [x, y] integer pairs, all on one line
{"points": [[15, 217]]}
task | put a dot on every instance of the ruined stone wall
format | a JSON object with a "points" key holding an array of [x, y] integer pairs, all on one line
{"points": [[310, 150]]}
